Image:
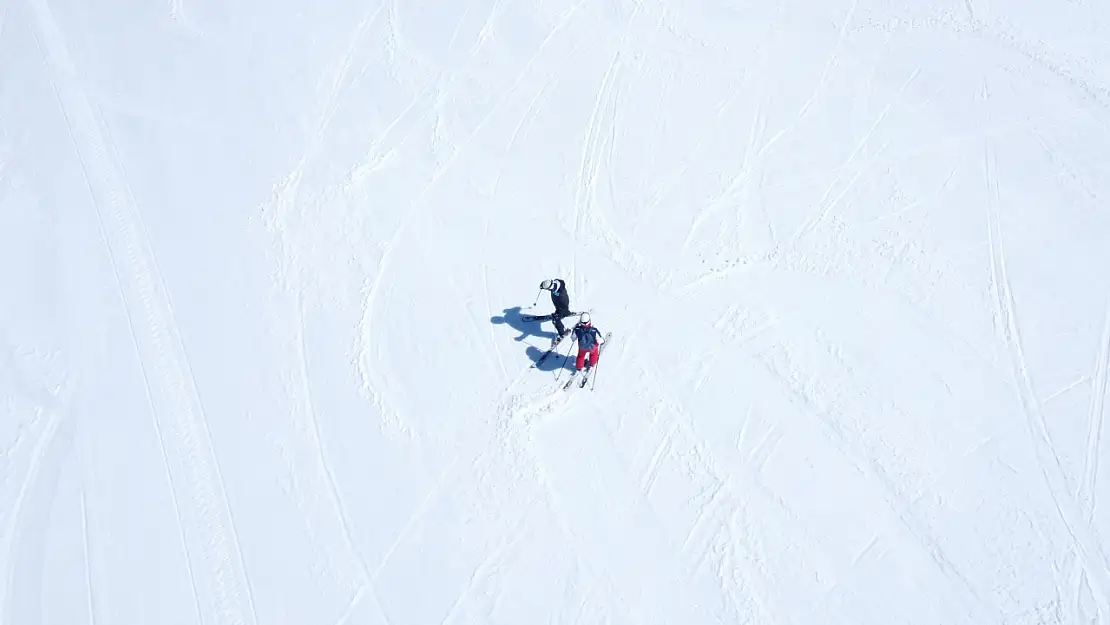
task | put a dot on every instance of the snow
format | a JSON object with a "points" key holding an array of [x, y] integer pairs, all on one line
{"points": [[262, 266]]}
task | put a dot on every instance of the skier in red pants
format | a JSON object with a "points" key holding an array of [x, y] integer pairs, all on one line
{"points": [[589, 342]]}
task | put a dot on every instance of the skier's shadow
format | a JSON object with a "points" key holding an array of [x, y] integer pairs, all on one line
{"points": [[512, 319], [554, 362], [526, 328]]}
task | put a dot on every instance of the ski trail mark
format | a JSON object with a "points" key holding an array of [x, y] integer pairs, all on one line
{"points": [[487, 28], [1083, 379], [198, 490], [739, 181], [90, 596], [525, 120], [590, 149], [489, 311], [370, 380], [897, 522], [1088, 551], [180, 518], [828, 203], [724, 541], [433, 492], [597, 152], [755, 150], [970, 11], [354, 603], [841, 37], [9, 535], [338, 83], [312, 430], [1086, 491], [648, 480], [458, 28], [485, 569]]}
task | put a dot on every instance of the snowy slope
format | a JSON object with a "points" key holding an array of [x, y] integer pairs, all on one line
{"points": [[262, 266]]}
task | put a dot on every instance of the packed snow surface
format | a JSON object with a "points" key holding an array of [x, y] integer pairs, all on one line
{"points": [[262, 266]]}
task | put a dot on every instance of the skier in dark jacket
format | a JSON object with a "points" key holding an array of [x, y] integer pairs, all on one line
{"points": [[560, 298], [589, 342]]}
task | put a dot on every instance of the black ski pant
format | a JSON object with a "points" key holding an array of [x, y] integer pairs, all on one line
{"points": [[557, 318]]}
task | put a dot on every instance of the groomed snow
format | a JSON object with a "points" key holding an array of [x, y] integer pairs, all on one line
{"points": [[262, 265]]}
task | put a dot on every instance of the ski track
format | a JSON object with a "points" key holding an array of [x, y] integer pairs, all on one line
{"points": [[728, 487], [1071, 515], [170, 386], [312, 428], [287, 189], [484, 570], [511, 429], [489, 309], [182, 526], [522, 413], [566, 529], [597, 154], [476, 332], [894, 517], [458, 27], [641, 497], [970, 11], [525, 120], [177, 12], [354, 603], [1086, 492], [38, 458], [725, 488], [648, 480], [184, 438], [825, 202], [742, 177], [803, 112], [578, 547], [367, 325], [90, 595], [1065, 170], [585, 183], [487, 28], [757, 129], [417, 513]]}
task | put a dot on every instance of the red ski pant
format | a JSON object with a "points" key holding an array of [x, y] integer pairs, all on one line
{"points": [[582, 353]]}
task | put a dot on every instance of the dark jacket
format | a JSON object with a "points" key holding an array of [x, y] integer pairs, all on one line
{"points": [[560, 298], [588, 337]]}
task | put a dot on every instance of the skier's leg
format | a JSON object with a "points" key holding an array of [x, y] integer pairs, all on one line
{"points": [[581, 361], [559, 327], [593, 353]]}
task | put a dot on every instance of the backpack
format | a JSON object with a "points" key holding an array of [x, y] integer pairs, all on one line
{"points": [[587, 337]]}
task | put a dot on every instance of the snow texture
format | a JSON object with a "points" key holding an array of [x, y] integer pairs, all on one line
{"points": [[262, 266]]}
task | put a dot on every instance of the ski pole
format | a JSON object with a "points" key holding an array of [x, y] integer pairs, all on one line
{"points": [[563, 368], [593, 378], [535, 301]]}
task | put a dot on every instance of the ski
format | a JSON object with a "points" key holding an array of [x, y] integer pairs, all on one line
{"points": [[584, 376], [548, 317], [570, 380], [554, 347]]}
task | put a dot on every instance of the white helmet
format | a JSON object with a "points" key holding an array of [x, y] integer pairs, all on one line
{"points": [[584, 318]]}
